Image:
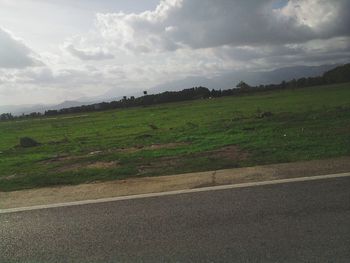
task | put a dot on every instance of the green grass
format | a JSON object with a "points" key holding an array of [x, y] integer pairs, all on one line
{"points": [[310, 123]]}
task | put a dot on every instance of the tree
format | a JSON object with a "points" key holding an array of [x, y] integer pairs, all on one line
{"points": [[145, 92], [6, 116], [243, 85]]}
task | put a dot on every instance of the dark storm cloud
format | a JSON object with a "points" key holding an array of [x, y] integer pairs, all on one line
{"points": [[207, 23]]}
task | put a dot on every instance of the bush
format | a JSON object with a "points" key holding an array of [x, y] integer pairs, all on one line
{"points": [[27, 142]]}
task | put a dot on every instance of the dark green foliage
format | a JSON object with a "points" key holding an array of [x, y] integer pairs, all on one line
{"points": [[27, 142], [243, 85], [338, 75], [6, 117]]}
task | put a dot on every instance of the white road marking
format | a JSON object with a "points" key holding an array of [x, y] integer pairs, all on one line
{"points": [[178, 192]]}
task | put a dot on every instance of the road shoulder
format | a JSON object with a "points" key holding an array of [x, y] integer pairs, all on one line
{"points": [[137, 186]]}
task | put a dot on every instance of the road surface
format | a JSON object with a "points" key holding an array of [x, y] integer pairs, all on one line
{"points": [[293, 222]]}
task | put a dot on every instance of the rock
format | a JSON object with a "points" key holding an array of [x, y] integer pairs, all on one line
{"points": [[27, 142]]}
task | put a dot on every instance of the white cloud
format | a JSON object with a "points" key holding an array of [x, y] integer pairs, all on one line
{"points": [[14, 53], [206, 23], [180, 38], [95, 53], [325, 18]]}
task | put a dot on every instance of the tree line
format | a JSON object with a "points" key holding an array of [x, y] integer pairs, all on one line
{"points": [[340, 74]]}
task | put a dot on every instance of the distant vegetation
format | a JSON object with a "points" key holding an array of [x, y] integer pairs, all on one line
{"points": [[340, 74]]}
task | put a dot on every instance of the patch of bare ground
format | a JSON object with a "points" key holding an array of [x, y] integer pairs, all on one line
{"points": [[75, 163], [66, 157], [160, 164], [345, 129], [152, 147], [91, 165], [230, 153], [62, 158], [68, 163], [9, 177]]}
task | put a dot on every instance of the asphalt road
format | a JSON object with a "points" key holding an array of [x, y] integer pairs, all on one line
{"points": [[294, 222]]}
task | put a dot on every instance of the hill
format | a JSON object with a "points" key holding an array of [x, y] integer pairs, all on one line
{"points": [[254, 78]]}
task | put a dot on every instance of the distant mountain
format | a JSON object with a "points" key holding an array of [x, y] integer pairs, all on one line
{"points": [[20, 109], [66, 104], [253, 78], [117, 94]]}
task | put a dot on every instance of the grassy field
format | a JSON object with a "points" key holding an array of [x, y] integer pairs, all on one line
{"points": [[310, 123]]}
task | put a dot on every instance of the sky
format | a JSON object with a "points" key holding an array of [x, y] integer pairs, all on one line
{"points": [[57, 50]]}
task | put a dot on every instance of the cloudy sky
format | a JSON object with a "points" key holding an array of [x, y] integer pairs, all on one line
{"points": [[57, 50]]}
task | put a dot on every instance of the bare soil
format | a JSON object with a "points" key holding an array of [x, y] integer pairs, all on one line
{"points": [[232, 153], [91, 165], [51, 195], [151, 147]]}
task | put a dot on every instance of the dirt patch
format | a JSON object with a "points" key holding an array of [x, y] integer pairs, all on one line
{"points": [[67, 158], [166, 145], [74, 163], [232, 152], [152, 147], [160, 164], [94, 165], [68, 163], [62, 158], [9, 177], [342, 130], [102, 165]]}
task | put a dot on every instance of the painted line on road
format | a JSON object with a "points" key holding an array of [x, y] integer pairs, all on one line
{"points": [[178, 192]]}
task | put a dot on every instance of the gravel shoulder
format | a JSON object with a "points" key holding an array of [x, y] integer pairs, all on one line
{"points": [[52, 195]]}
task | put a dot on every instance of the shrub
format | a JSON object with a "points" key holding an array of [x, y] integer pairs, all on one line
{"points": [[27, 142]]}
